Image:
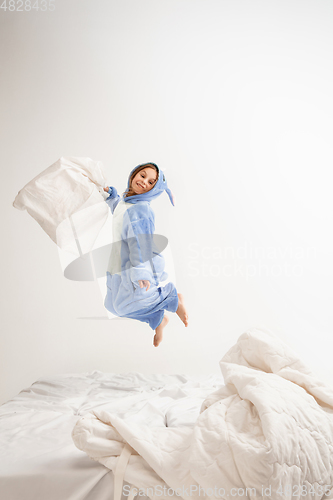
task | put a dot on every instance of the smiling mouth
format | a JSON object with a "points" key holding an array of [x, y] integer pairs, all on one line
{"points": [[140, 185]]}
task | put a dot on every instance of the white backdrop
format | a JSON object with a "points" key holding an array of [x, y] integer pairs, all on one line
{"points": [[234, 99]]}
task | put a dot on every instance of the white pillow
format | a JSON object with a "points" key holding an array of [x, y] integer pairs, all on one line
{"points": [[68, 202]]}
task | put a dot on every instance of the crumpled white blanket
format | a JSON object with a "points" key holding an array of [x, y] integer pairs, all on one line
{"points": [[270, 428], [68, 202]]}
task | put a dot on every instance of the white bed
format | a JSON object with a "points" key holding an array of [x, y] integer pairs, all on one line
{"points": [[267, 433], [38, 458], [267, 423]]}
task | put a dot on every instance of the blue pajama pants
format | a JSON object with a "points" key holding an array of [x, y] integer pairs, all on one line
{"points": [[153, 314]]}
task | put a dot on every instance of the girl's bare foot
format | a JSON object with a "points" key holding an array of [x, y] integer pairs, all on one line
{"points": [[181, 311], [159, 331]]}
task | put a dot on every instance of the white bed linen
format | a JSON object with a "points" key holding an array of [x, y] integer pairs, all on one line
{"points": [[269, 428], [38, 459]]}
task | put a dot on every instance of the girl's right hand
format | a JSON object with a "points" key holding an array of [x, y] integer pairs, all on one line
{"points": [[144, 284], [106, 189]]}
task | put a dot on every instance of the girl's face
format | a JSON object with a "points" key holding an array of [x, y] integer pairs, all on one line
{"points": [[144, 180]]}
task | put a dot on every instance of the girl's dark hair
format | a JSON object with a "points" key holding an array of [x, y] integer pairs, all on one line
{"points": [[129, 191]]}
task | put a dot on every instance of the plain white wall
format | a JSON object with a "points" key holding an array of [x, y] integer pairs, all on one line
{"points": [[234, 99]]}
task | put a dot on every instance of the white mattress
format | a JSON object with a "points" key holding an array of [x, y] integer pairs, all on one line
{"points": [[38, 459]]}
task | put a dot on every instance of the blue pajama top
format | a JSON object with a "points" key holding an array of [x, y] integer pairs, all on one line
{"points": [[135, 256]]}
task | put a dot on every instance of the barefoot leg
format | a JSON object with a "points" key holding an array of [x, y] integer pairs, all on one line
{"points": [[159, 331], [181, 311]]}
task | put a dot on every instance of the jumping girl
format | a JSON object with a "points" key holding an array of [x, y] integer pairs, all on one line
{"points": [[136, 267]]}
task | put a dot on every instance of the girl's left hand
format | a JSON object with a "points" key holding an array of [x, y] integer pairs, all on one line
{"points": [[106, 189], [144, 284]]}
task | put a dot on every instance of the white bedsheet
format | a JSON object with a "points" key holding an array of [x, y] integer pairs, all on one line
{"points": [[38, 459], [269, 429]]}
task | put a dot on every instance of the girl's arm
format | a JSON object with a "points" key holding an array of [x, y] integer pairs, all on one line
{"points": [[113, 199]]}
